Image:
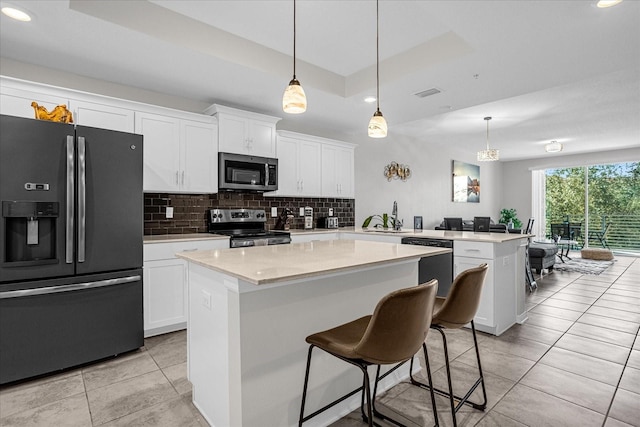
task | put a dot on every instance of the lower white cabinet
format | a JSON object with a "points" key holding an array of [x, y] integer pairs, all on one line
{"points": [[497, 311], [165, 284]]}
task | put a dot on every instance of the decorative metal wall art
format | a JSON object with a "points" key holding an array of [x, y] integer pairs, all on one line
{"points": [[394, 170], [59, 114]]}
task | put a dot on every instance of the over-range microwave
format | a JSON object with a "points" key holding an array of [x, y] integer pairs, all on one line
{"points": [[239, 172]]}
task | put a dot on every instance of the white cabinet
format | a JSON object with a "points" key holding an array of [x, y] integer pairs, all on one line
{"points": [[17, 102], [102, 116], [299, 166], [337, 171], [165, 284], [179, 155], [498, 302], [244, 132]]}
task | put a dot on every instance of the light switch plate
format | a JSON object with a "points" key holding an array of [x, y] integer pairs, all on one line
{"points": [[330, 211], [169, 212], [274, 212], [301, 212]]}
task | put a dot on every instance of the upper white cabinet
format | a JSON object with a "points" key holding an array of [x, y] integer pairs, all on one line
{"points": [[244, 132], [299, 165], [17, 101], [179, 155], [102, 116], [337, 170]]}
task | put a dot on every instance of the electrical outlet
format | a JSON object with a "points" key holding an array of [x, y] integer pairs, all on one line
{"points": [[505, 261], [169, 212], [206, 300], [274, 212]]}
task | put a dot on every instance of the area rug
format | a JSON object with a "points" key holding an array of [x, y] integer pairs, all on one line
{"points": [[584, 266]]}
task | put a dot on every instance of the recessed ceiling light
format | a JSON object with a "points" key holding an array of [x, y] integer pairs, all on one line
{"points": [[370, 99], [17, 14], [607, 3]]}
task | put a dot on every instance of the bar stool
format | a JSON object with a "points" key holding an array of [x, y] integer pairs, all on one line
{"points": [[392, 335], [453, 312]]}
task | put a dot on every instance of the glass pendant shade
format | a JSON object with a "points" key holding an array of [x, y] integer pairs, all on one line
{"points": [[377, 125], [294, 100], [489, 155]]}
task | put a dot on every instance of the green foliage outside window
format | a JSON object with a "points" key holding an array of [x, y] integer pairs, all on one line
{"points": [[614, 197]]}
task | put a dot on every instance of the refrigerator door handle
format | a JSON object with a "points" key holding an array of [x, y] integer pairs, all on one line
{"points": [[82, 199], [67, 288], [70, 201]]}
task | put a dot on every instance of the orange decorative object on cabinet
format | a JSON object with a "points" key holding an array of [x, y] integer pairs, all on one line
{"points": [[58, 114]]}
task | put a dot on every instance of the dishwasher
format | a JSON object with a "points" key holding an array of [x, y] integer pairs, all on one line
{"points": [[437, 266]]}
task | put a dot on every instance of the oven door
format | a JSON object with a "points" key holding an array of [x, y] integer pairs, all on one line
{"points": [[239, 172]]}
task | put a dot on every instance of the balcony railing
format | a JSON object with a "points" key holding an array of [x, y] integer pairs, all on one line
{"points": [[623, 234]]}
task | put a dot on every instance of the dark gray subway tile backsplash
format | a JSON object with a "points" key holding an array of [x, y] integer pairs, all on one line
{"points": [[190, 210]]}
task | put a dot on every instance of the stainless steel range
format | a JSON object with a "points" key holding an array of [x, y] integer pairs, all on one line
{"points": [[245, 227]]}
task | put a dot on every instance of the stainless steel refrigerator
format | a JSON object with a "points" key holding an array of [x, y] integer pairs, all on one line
{"points": [[71, 254]]}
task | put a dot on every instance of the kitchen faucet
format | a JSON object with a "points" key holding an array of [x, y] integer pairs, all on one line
{"points": [[397, 224]]}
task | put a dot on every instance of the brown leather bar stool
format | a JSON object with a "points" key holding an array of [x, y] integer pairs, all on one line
{"points": [[392, 335], [453, 312]]}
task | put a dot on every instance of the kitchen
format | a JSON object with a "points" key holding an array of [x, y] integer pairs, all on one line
{"points": [[168, 183]]}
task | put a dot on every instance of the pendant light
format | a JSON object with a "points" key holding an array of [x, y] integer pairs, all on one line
{"points": [[490, 154], [294, 100], [377, 125]]}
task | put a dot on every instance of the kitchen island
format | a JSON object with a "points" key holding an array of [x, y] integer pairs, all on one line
{"points": [[251, 309]]}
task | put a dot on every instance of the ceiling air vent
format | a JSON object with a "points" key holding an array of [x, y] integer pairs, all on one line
{"points": [[427, 92]]}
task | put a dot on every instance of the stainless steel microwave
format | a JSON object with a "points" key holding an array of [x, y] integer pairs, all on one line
{"points": [[239, 172]]}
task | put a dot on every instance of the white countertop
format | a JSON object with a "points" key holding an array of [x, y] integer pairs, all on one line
{"points": [[450, 235], [270, 264], [164, 238]]}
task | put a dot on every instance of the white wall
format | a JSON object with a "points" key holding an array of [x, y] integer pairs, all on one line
{"points": [[428, 192], [517, 175]]}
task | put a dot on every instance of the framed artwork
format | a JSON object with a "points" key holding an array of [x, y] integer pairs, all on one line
{"points": [[417, 222], [466, 182]]}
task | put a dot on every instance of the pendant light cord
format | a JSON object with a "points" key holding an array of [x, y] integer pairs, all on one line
{"points": [[294, 39], [377, 57], [487, 119]]}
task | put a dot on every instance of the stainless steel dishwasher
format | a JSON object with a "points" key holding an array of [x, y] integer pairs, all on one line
{"points": [[437, 266]]}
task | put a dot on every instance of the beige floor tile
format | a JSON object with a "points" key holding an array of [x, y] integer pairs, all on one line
{"points": [[528, 349], [531, 332], [172, 413], [535, 408], [568, 305], [624, 293], [615, 313], [601, 350], [571, 387], [548, 322], [580, 292], [602, 334], [612, 422], [115, 370], [581, 364], [634, 359], [618, 305], [493, 419], [177, 375], [168, 349], [631, 380], [609, 322], [129, 396], [625, 407], [501, 364], [574, 298], [561, 313], [29, 396], [68, 412]]}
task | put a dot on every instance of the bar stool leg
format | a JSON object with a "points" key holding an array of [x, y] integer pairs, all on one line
{"points": [[304, 389]]}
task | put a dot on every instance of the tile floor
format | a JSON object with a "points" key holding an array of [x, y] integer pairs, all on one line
{"points": [[576, 362]]}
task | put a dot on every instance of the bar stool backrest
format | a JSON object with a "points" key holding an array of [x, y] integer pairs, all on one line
{"points": [[399, 325], [461, 304]]}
